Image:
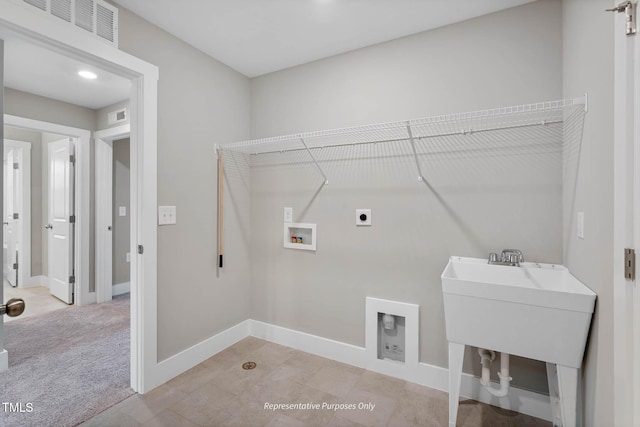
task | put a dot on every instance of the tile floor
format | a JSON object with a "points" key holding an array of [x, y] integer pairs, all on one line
{"points": [[37, 300], [218, 392]]}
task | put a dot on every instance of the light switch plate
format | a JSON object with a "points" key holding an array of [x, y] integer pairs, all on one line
{"points": [[128, 258], [363, 217], [122, 211], [166, 215], [288, 215]]}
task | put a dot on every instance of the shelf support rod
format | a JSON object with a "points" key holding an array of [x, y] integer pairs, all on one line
{"points": [[326, 181], [415, 153]]}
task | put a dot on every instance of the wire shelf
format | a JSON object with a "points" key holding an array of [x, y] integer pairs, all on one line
{"points": [[422, 129]]}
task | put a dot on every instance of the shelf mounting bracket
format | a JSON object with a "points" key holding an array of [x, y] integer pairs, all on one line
{"points": [[415, 153], [326, 181]]}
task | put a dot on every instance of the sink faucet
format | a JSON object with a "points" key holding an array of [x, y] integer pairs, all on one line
{"points": [[512, 257]]}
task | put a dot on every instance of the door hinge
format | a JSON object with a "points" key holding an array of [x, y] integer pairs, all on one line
{"points": [[72, 219], [72, 279], [72, 159], [16, 165], [630, 264], [15, 266], [140, 249], [629, 9], [16, 216]]}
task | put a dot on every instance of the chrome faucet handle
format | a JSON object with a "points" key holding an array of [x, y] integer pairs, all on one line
{"points": [[514, 259], [506, 254], [493, 257]]}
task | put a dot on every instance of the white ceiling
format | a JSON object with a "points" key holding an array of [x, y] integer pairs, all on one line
{"points": [[32, 69], [256, 37]]}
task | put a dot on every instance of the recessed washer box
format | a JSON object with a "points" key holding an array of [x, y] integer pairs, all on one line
{"points": [[363, 217], [300, 236]]}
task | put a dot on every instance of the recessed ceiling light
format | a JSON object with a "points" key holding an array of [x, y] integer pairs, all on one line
{"points": [[87, 75]]}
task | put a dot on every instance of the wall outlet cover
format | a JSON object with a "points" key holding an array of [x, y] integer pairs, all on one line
{"points": [[363, 217], [166, 215], [122, 211]]}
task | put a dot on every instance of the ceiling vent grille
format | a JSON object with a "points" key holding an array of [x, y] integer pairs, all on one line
{"points": [[94, 16]]}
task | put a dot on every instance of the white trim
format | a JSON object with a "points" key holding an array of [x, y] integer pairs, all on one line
{"points": [[187, 359], [104, 204], [121, 288], [82, 179], [24, 255], [145, 369], [624, 200], [34, 281], [523, 401]]}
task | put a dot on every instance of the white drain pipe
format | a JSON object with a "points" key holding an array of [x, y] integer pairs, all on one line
{"points": [[486, 357]]}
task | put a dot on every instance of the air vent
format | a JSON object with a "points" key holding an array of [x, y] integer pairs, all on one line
{"points": [[40, 4], [118, 116], [62, 9], [94, 16]]}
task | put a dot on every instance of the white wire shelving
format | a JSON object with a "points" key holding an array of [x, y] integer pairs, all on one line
{"points": [[414, 130]]}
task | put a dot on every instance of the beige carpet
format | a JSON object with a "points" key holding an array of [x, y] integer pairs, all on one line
{"points": [[66, 366]]}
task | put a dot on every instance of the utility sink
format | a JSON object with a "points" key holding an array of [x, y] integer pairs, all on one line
{"points": [[539, 311]]}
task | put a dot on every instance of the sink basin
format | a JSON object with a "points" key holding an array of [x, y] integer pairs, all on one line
{"points": [[539, 311]]}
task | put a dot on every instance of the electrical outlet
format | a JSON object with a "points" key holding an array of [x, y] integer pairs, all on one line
{"points": [[166, 215], [128, 257], [363, 217], [122, 211], [580, 225]]}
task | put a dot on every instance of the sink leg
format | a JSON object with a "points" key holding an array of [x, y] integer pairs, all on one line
{"points": [[456, 356], [554, 394], [568, 390]]}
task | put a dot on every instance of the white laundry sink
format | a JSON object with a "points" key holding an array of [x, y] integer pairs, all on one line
{"points": [[539, 311]]}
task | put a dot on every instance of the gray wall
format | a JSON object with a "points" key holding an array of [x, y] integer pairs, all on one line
{"points": [[588, 66], [476, 204], [36, 107], [121, 224], [201, 102], [37, 231]]}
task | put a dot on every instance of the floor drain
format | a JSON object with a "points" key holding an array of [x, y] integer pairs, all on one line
{"points": [[248, 365]]}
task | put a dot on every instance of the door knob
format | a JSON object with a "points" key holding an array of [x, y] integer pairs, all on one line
{"points": [[48, 226], [14, 307]]}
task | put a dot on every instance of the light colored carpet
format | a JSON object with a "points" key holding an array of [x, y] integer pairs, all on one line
{"points": [[69, 364]]}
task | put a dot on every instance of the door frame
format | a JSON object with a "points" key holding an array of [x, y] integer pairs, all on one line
{"points": [[24, 256], [68, 40], [104, 207], [626, 225], [82, 138]]}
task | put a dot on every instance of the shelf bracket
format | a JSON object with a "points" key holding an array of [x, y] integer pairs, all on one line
{"points": [[326, 181], [415, 153]]}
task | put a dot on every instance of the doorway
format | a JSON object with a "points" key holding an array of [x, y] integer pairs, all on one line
{"points": [[113, 248], [28, 233], [17, 22]]}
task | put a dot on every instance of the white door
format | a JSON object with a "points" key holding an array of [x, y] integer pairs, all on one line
{"points": [[61, 219], [12, 215]]}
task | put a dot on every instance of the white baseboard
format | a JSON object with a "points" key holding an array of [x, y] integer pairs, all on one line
{"points": [[4, 360], [121, 288], [187, 359], [523, 401], [519, 400], [34, 281]]}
